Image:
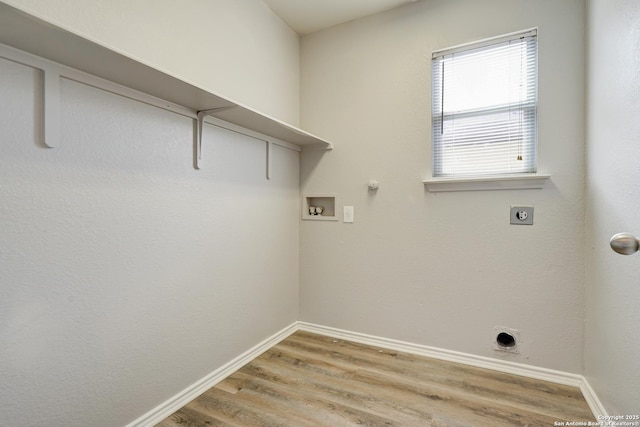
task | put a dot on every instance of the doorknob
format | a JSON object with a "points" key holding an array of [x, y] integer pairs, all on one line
{"points": [[624, 243]]}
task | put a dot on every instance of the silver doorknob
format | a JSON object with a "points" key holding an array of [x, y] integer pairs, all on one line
{"points": [[624, 243]]}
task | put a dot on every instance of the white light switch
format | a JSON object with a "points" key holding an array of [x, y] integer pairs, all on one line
{"points": [[348, 214]]}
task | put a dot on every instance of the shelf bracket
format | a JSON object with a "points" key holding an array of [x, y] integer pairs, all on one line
{"points": [[51, 107], [269, 149], [200, 117], [51, 92]]}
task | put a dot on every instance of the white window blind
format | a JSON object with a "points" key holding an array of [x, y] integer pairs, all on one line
{"points": [[484, 107]]}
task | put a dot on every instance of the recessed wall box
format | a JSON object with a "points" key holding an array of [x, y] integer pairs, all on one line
{"points": [[320, 207]]}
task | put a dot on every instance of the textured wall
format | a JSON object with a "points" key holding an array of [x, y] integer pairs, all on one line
{"points": [[442, 269], [613, 202], [125, 274], [236, 48]]}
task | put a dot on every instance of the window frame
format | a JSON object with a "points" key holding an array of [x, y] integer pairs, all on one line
{"points": [[481, 180]]}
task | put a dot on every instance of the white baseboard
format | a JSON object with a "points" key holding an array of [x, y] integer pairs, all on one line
{"points": [[594, 403], [528, 371], [162, 411], [167, 408]]}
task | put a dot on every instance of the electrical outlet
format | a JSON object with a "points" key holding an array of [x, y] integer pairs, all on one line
{"points": [[522, 215]]}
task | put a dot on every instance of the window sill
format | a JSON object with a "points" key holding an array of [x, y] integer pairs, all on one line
{"points": [[508, 182]]}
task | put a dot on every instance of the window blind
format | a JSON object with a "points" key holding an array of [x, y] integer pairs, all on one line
{"points": [[484, 100]]}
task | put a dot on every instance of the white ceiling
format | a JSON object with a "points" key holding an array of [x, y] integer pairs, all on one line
{"points": [[307, 16]]}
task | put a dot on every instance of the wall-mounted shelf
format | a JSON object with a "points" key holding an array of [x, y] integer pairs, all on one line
{"points": [[44, 39], [327, 202]]}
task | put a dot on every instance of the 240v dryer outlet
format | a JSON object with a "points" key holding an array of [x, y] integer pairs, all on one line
{"points": [[522, 215]]}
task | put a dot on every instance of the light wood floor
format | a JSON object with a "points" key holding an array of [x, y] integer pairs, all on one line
{"points": [[313, 380]]}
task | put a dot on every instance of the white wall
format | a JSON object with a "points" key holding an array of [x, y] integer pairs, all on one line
{"points": [[613, 202], [236, 48], [443, 269], [126, 275]]}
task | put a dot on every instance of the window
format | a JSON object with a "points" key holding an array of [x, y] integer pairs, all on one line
{"points": [[484, 107]]}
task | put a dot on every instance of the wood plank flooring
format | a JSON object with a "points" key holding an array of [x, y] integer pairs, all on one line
{"points": [[314, 380]]}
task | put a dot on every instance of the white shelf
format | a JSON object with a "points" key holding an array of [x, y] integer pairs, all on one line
{"points": [[50, 41]]}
